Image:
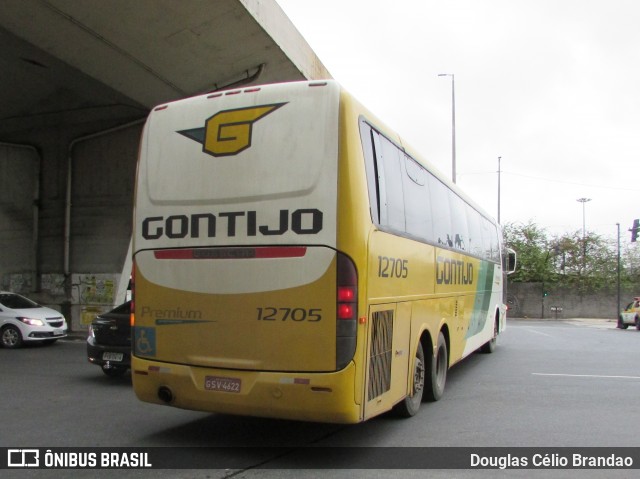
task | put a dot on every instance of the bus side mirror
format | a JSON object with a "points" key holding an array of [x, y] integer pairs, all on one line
{"points": [[510, 260]]}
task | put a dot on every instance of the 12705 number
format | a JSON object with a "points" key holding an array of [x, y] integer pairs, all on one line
{"points": [[392, 267], [289, 314]]}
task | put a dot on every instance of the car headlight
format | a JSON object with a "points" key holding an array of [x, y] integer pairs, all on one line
{"points": [[31, 321], [92, 334]]}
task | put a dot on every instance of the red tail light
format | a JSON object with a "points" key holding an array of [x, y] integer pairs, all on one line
{"points": [[133, 295], [346, 293], [347, 288], [346, 310]]}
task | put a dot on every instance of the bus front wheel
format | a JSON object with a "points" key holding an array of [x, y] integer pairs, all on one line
{"points": [[436, 367], [490, 346]]}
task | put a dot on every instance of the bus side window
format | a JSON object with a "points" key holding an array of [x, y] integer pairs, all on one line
{"points": [[459, 225], [416, 200], [475, 232], [390, 182], [490, 240], [440, 212], [367, 136]]}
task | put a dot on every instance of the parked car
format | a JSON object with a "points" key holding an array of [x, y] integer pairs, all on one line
{"points": [[25, 321], [630, 315], [109, 341]]}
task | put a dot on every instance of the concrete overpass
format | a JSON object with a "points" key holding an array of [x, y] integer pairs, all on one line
{"points": [[78, 79]]}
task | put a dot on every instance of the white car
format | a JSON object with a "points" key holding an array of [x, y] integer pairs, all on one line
{"points": [[22, 320]]}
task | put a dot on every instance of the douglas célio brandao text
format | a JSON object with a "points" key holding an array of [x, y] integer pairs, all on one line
{"points": [[549, 461]]}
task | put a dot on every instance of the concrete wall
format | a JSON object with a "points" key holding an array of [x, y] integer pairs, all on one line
{"points": [[103, 178], [19, 192], [526, 300], [33, 216]]}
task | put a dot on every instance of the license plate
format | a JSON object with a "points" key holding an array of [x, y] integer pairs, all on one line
{"points": [[58, 332], [112, 356], [217, 383]]}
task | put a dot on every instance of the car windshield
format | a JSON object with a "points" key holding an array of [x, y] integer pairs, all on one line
{"points": [[15, 301], [122, 309]]}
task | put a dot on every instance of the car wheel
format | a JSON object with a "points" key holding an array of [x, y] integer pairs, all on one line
{"points": [[11, 337], [114, 371], [410, 405], [436, 368], [621, 324], [637, 323]]}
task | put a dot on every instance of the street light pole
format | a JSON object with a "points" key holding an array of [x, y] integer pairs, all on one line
{"points": [[583, 201], [453, 124], [618, 271], [584, 232], [499, 189]]}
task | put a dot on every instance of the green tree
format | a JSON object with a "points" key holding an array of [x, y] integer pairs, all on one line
{"points": [[586, 264], [630, 275], [532, 247]]}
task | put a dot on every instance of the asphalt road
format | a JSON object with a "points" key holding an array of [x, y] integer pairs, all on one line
{"points": [[549, 384]]}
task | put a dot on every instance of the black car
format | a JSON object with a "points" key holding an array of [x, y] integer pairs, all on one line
{"points": [[109, 341]]}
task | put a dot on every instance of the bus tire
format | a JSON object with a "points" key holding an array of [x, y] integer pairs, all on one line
{"points": [[410, 405], [436, 368], [490, 346]]}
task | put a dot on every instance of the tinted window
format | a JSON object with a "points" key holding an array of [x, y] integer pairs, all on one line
{"points": [[459, 225], [475, 232], [367, 138], [417, 203], [490, 240], [406, 197], [390, 181], [440, 212], [122, 309]]}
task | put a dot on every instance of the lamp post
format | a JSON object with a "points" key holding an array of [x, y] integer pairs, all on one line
{"points": [[584, 232], [453, 124], [583, 201], [499, 171], [618, 274]]}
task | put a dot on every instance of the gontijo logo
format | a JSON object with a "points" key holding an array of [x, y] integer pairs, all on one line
{"points": [[229, 132]]}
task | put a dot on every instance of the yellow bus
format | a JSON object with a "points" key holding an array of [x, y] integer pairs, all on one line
{"points": [[293, 258]]}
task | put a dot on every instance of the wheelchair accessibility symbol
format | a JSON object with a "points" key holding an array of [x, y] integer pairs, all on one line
{"points": [[145, 341]]}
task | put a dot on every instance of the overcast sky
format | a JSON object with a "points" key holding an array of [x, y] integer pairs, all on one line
{"points": [[550, 86]]}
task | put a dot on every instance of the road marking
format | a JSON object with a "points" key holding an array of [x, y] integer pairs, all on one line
{"points": [[538, 332], [586, 376]]}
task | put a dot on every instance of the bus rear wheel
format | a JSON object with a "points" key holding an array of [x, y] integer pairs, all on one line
{"points": [[411, 404], [437, 367]]}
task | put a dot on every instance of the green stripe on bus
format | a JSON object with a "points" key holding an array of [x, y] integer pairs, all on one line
{"points": [[482, 300]]}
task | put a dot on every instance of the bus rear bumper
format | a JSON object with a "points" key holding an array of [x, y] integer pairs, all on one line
{"points": [[320, 397]]}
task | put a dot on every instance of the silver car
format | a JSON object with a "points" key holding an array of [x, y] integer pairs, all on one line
{"points": [[23, 320]]}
